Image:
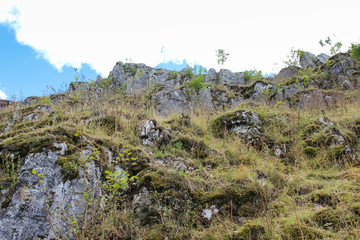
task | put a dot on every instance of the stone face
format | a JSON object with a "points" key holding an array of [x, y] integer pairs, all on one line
{"points": [[31, 101], [287, 72], [322, 58], [244, 123], [226, 76], [79, 87], [342, 68], [211, 76], [152, 135], [28, 216], [169, 100], [134, 78], [308, 60], [203, 99]]}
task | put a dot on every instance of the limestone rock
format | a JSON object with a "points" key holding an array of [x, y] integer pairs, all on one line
{"points": [[152, 135], [322, 58], [337, 146], [211, 76], [226, 76], [244, 123], [308, 59], [29, 215], [287, 72], [78, 87], [134, 78], [170, 100]]}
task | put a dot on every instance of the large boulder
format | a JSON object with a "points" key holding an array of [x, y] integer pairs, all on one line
{"points": [[244, 123], [211, 76], [308, 59], [170, 100], [226, 76], [322, 58], [316, 98], [342, 70], [287, 72], [134, 78]]}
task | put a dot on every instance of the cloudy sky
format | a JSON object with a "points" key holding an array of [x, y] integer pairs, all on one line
{"points": [[41, 41]]}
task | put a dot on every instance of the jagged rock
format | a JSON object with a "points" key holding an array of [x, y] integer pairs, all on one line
{"points": [[78, 87], [170, 100], [31, 101], [314, 98], [322, 58], [226, 76], [286, 92], [152, 135], [263, 91], [211, 76], [308, 59], [30, 212], [134, 78], [347, 84], [342, 69], [287, 72], [202, 99], [244, 123], [337, 146]]}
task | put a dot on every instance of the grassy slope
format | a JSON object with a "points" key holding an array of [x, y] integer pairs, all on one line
{"points": [[259, 196]]}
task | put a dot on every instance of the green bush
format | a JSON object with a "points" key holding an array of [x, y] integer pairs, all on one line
{"points": [[355, 52], [253, 75], [198, 82]]}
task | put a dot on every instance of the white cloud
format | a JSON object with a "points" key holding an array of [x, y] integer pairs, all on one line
{"points": [[2, 95], [256, 33]]}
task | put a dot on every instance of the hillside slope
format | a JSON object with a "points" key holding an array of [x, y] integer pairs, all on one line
{"points": [[158, 154]]}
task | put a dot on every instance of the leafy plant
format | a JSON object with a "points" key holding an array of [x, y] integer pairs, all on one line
{"points": [[355, 52], [293, 58], [115, 182], [334, 48], [198, 82], [305, 74], [253, 75], [221, 56]]}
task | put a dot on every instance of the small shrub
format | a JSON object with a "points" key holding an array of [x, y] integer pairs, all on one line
{"points": [[355, 52], [294, 57], [253, 75], [198, 82]]}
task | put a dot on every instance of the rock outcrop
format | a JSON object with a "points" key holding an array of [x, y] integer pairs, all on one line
{"points": [[43, 205], [154, 154]]}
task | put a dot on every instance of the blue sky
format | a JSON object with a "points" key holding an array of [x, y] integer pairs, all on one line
{"points": [[24, 73], [42, 41]]}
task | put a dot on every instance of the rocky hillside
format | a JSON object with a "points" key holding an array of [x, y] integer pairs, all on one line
{"points": [[156, 154]]}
